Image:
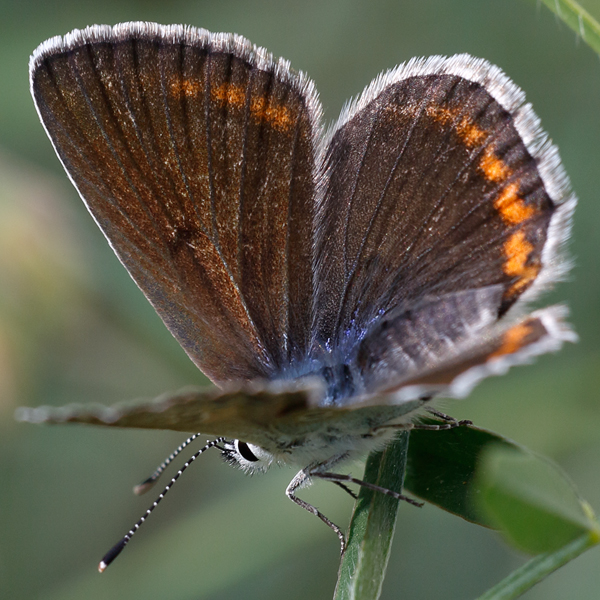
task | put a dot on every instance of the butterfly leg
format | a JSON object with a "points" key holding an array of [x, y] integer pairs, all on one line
{"points": [[449, 422], [303, 479], [346, 489], [338, 478]]}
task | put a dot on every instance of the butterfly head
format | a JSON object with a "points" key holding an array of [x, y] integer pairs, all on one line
{"points": [[248, 457]]}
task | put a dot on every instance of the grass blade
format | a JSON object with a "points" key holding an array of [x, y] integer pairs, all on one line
{"points": [[578, 19], [372, 526], [532, 572]]}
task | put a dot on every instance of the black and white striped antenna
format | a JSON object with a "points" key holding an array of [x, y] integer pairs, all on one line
{"points": [[117, 548], [147, 484]]}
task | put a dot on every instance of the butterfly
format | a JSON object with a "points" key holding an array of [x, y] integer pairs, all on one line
{"points": [[330, 283]]}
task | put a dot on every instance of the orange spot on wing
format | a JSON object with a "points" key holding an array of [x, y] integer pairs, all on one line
{"points": [[517, 250], [228, 93], [494, 168], [186, 87], [513, 340], [512, 209], [233, 95], [469, 133], [277, 116]]}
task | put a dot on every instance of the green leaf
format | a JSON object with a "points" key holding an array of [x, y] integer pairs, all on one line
{"points": [[372, 526], [531, 501], [578, 19], [441, 467]]}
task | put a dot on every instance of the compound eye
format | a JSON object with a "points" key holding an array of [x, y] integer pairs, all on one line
{"points": [[245, 451]]}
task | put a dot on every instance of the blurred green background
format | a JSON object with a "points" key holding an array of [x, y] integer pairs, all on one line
{"points": [[74, 328]]}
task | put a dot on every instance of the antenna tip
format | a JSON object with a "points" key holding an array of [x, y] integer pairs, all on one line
{"points": [[112, 554], [143, 487]]}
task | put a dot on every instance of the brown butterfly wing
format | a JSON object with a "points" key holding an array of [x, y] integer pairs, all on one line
{"points": [[278, 415], [446, 346], [440, 180], [194, 152], [280, 418]]}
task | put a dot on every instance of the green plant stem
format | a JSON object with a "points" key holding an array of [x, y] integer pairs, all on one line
{"points": [[532, 572], [578, 19], [371, 530]]}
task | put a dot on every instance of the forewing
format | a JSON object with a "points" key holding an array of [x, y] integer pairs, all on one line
{"points": [[194, 152], [439, 179]]}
